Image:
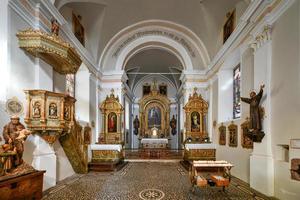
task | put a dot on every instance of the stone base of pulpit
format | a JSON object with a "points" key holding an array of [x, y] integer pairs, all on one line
{"points": [[107, 157]]}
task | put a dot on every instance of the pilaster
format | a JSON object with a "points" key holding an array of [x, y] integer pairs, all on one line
{"points": [[261, 160]]}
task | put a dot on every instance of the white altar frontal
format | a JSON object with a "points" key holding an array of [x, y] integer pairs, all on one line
{"points": [[154, 142], [200, 151]]}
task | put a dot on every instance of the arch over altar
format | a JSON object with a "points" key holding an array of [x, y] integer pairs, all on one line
{"points": [[154, 114]]}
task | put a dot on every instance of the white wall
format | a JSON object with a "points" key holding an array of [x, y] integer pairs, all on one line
{"points": [[285, 96]]}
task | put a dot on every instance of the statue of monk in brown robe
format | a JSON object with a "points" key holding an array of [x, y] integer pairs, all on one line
{"points": [[255, 115]]}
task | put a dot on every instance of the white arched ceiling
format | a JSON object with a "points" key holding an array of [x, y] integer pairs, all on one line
{"points": [[159, 33], [153, 61], [60, 3]]}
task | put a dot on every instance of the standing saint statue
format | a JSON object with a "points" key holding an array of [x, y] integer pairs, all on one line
{"points": [[255, 115], [136, 125], [173, 123]]}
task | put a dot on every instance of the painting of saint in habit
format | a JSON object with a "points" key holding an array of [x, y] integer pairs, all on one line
{"points": [[154, 117], [163, 89], [146, 89], [112, 122], [195, 122]]}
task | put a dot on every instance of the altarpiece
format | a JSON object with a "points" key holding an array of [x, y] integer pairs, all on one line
{"points": [[112, 112], [154, 114], [196, 115]]}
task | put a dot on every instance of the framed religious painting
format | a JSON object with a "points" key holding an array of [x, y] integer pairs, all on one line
{"points": [[78, 29], [112, 122], [154, 117], [245, 139], [146, 89], [233, 135], [195, 121], [228, 27], [163, 89], [222, 135]]}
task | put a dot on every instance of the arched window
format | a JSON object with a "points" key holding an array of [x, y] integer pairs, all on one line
{"points": [[237, 92], [70, 84]]}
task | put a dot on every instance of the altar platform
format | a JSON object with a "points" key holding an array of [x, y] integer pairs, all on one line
{"points": [[107, 157], [153, 155]]}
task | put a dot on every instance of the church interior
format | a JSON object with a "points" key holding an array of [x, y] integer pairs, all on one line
{"points": [[139, 99]]}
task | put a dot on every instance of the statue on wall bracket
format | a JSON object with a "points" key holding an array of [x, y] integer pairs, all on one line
{"points": [[255, 127], [136, 125], [173, 123]]}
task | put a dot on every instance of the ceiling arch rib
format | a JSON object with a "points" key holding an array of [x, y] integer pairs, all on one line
{"points": [[60, 3], [160, 33]]}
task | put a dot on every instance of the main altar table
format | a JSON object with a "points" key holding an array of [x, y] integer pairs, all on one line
{"points": [[154, 143]]}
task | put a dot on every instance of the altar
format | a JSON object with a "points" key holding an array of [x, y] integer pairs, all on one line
{"points": [[199, 151], [154, 143]]}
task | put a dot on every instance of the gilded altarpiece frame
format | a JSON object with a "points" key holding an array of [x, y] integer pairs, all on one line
{"points": [[112, 112], [233, 135], [149, 102], [196, 116], [245, 139], [222, 135]]}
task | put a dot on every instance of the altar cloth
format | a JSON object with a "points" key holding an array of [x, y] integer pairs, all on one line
{"points": [[115, 147]]}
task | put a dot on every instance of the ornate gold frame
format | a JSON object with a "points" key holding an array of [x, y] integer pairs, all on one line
{"points": [[233, 132], [196, 104], [154, 99], [222, 134], [245, 130], [111, 105]]}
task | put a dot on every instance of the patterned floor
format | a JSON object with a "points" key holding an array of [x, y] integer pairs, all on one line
{"points": [[146, 181]]}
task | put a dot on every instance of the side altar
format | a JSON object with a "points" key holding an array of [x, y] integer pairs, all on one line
{"points": [[197, 145], [108, 153]]}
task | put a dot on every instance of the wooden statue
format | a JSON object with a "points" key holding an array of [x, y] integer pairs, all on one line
{"points": [[87, 134], [14, 134], [255, 128], [173, 123], [136, 125], [54, 27]]}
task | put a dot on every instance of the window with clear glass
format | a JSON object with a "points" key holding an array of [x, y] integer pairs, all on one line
{"points": [[70, 84], [236, 92]]}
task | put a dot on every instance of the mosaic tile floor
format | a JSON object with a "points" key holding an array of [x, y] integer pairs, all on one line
{"points": [[146, 181]]}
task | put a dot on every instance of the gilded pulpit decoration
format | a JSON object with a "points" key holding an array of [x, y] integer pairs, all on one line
{"points": [[233, 135], [255, 127], [222, 135], [49, 114], [154, 113], [196, 118], [112, 112], [51, 48], [246, 140], [295, 169]]}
